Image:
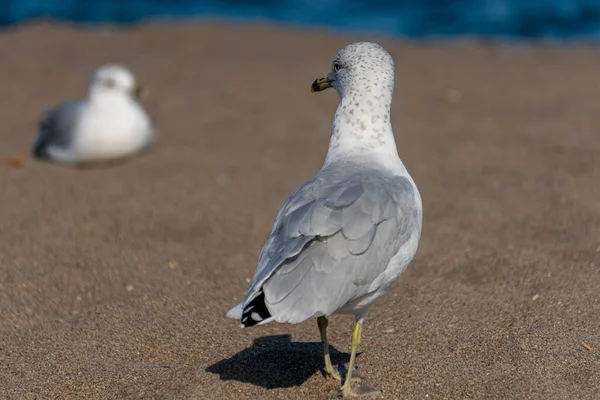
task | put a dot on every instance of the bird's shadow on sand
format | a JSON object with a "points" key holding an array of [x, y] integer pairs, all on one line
{"points": [[276, 362]]}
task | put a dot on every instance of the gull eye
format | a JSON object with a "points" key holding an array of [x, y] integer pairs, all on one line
{"points": [[110, 83], [336, 67]]}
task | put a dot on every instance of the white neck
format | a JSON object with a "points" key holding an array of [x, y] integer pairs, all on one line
{"points": [[362, 128], [107, 97]]}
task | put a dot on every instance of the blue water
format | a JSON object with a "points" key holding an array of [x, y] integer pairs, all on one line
{"points": [[410, 18]]}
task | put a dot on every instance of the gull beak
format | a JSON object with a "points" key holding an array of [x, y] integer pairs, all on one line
{"points": [[321, 84], [140, 92]]}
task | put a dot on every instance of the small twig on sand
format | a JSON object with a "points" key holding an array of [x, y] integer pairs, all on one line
{"points": [[585, 345], [15, 162]]}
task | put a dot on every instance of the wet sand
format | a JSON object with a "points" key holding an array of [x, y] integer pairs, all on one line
{"points": [[114, 282]]}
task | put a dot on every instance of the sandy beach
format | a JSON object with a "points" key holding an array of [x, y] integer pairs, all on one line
{"points": [[114, 282]]}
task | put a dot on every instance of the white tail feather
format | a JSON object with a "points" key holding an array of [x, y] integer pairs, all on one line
{"points": [[236, 312]]}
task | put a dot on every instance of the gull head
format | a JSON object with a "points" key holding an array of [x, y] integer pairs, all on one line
{"points": [[115, 79], [359, 67]]}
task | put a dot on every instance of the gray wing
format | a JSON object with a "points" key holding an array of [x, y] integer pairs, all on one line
{"points": [[56, 127], [332, 238]]}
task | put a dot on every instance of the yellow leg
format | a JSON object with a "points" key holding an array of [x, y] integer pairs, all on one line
{"points": [[346, 389], [329, 370]]}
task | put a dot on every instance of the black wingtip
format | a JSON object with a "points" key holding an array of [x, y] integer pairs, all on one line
{"points": [[255, 312], [39, 151]]}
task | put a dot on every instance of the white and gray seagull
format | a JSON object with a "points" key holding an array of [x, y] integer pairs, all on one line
{"points": [[345, 235], [109, 124]]}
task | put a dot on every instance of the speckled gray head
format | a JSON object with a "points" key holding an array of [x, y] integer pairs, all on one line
{"points": [[114, 77], [363, 75], [362, 66]]}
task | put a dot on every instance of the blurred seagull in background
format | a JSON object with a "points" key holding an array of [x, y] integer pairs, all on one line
{"points": [[109, 124]]}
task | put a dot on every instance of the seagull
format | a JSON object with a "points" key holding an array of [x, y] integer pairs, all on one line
{"points": [[109, 124], [344, 236]]}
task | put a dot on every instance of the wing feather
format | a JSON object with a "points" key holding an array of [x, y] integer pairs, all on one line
{"points": [[331, 239]]}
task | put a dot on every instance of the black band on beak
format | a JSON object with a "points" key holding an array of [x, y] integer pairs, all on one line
{"points": [[321, 84]]}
